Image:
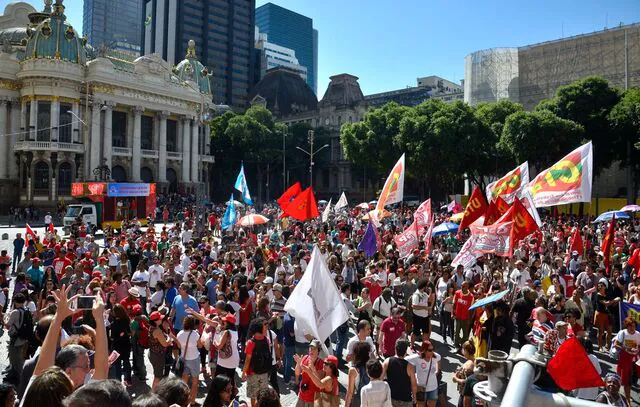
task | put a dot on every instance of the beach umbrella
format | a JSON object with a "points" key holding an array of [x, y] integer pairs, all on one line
{"points": [[606, 216], [444, 228], [253, 219], [363, 205], [630, 208]]}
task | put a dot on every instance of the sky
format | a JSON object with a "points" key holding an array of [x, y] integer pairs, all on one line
{"points": [[388, 44]]}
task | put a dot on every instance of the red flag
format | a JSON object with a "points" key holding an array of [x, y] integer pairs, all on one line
{"points": [[523, 222], [607, 244], [289, 195], [303, 207], [427, 237], [51, 228], [30, 233], [476, 207], [571, 358], [407, 240], [576, 242], [634, 261], [495, 209], [422, 215], [493, 239]]}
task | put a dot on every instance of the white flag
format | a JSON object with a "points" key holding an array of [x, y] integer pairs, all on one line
{"points": [[342, 203], [316, 303], [325, 213]]}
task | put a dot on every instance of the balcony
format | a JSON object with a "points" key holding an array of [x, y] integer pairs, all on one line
{"points": [[149, 153], [48, 146], [208, 158], [174, 155], [121, 151]]}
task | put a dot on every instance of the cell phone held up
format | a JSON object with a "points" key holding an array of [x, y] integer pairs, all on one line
{"points": [[85, 302]]}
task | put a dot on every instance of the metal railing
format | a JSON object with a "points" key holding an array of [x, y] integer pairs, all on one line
{"points": [[174, 155], [48, 145], [150, 153], [207, 158], [121, 151]]}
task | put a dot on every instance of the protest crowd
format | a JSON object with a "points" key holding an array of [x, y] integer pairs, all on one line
{"points": [[221, 301]]}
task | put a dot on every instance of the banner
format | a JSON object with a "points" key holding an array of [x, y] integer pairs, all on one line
{"points": [[369, 242], [495, 210], [342, 203], [127, 190], [527, 201], [289, 195], [567, 181], [493, 239], [607, 244], [466, 257], [523, 222], [510, 185], [325, 213], [476, 207], [241, 185], [303, 207], [422, 215], [407, 240], [427, 239], [316, 303], [393, 190], [629, 310], [229, 218]]}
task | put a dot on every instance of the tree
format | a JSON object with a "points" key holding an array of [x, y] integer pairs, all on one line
{"points": [[588, 102], [539, 137], [625, 122], [493, 116]]}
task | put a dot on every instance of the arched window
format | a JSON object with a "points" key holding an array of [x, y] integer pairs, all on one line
{"points": [[64, 178], [41, 178], [172, 178], [146, 175], [118, 174]]}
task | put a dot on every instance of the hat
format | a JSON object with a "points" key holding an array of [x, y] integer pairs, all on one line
{"points": [[277, 287], [137, 309], [400, 270], [604, 281], [574, 253], [101, 259], [230, 318], [96, 274], [413, 269], [35, 260], [193, 266], [155, 315], [561, 323], [396, 282], [316, 344], [331, 359], [134, 292], [537, 283], [268, 280]]}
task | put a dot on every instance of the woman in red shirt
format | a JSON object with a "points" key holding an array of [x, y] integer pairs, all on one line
{"points": [[313, 365]]}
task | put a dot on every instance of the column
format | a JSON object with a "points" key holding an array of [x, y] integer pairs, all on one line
{"points": [[207, 139], [16, 117], [94, 145], [195, 133], [186, 151], [33, 120], [108, 133], [55, 118], [5, 141], [75, 131], [162, 147], [136, 149]]}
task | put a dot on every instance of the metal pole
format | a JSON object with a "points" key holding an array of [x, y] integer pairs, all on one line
{"points": [[311, 135], [284, 159], [630, 191], [522, 377], [539, 398]]}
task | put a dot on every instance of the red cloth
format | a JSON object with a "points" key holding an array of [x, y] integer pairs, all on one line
{"points": [[607, 244], [303, 207], [375, 290], [569, 359], [634, 261], [463, 302], [576, 242], [289, 195], [392, 332], [476, 207]]}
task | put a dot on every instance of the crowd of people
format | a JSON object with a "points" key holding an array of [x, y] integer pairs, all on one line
{"points": [[206, 305]]}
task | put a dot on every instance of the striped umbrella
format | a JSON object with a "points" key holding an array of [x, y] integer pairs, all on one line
{"points": [[253, 219]]}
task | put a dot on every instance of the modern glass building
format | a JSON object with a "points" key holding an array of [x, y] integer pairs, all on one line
{"points": [[113, 23], [292, 30], [224, 34]]}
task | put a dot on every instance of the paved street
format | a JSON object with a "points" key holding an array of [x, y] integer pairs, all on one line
{"points": [[450, 360]]}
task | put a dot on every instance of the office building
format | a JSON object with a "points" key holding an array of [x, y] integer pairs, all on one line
{"points": [[113, 23], [292, 30], [224, 32], [272, 56], [429, 87], [532, 73]]}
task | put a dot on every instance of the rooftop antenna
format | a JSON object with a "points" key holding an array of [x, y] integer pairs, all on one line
{"points": [[606, 20]]}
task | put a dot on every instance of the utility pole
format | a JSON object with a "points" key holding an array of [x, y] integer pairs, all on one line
{"points": [[311, 137], [284, 161]]}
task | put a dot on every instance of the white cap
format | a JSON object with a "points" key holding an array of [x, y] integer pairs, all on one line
{"points": [[396, 282], [268, 280]]}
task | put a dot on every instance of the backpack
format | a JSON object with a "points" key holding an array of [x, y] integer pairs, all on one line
{"points": [[226, 352], [363, 379], [25, 330], [261, 356], [143, 333]]}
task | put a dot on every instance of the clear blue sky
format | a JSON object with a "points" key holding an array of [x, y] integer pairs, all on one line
{"points": [[388, 44]]}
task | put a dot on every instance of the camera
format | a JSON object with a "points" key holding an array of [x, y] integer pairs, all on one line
{"points": [[304, 386]]}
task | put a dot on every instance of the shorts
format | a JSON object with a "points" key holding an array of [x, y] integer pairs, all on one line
{"points": [[420, 325], [255, 383], [602, 321], [192, 367], [157, 361], [426, 395], [401, 403]]}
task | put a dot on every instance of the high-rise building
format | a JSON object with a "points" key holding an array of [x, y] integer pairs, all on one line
{"points": [[224, 32], [292, 30], [113, 23], [273, 56]]}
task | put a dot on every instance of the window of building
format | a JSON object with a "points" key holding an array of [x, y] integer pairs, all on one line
{"points": [[118, 174], [41, 178], [172, 136], [64, 128], [146, 175], [325, 179], [26, 135], [119, 129], [44, 121], [64, 178], [146, 134]]}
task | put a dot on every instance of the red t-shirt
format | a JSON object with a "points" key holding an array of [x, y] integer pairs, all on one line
{"points": [[463, 302], [308, 395], [392, 332], [59, 266], [128, 304], [245, 316], [249, 349], [375, 290]]}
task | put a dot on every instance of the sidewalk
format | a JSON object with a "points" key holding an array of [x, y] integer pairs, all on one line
{"points": [[5, 222]]}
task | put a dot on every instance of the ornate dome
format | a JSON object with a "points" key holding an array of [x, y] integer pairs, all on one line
{"points": [[190, 69], [54, 38], [285, 92]]}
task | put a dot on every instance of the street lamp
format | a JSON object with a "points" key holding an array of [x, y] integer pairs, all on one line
{"points": [[77, 117], [311, 154]]}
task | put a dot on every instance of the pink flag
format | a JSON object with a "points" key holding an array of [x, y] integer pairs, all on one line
{"points": [[407, 240], [493, 239], [427, 238], [422, 215], [466, 257]]}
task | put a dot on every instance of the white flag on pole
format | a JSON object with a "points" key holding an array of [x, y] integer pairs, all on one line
{"points": [[342, 203], [325, 213], [316, 303]]}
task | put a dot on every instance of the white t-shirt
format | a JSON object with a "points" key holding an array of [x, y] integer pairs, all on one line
{"points": [[141, 276], [192, 352], [628, 340], [351, 345], [233, 361], [383, 307], [299, 333], [155, 274], [47, 219], [441, 290], [425, 369], [421, 299]]}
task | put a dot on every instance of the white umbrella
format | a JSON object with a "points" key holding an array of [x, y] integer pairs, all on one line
{"points": [[363, 205], [238, 203], [253, 219]]}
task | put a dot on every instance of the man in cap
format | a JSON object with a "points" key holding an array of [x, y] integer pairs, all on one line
{"points": [[574, 263], [132, 300]]}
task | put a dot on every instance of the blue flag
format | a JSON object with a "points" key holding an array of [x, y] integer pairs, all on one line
{"points": [[229, 218], [241, 185], [369, 242]]}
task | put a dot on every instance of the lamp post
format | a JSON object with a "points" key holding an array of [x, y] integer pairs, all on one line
{"points": [[311, 154], [284, 161]]}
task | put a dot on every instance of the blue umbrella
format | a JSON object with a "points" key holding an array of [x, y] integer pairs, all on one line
{"points": [[488, 300], [608, 215], [444, 228]]}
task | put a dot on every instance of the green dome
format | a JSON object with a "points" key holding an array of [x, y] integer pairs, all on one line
{"points": [[54, 38], [190, 69]]}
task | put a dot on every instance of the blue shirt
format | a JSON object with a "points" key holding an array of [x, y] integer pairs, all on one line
{"points": [[18, 245], [287, 330], [36, 274], [169, 295], [180, 308], [211, 290]]}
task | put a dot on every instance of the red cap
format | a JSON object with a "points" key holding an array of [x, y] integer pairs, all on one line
{"points": [[400, 270], [101, 259], [331, 359], [35, 260], [230, 318], [155, 315], [193, 266], [137, 309], [96, 274], [413, 269]]}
